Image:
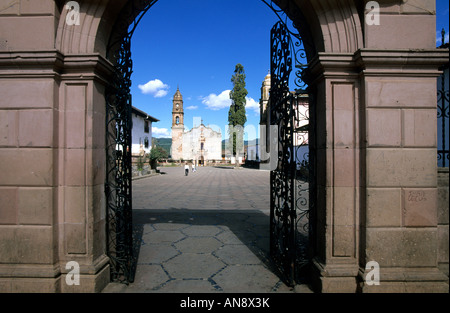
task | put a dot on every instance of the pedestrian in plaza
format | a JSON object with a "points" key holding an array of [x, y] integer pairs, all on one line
{"points": [[186, 169], [193, 168]]}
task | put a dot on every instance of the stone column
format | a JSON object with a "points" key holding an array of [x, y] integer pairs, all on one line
{"points": [[399, 212], [81, 170], [28, 192], [377, 170], [443, 220], [28, 142], [336, 84], [52, 121]]}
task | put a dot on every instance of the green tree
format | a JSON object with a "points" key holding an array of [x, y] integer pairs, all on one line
{"points": [[236, 114], [156, 154]]}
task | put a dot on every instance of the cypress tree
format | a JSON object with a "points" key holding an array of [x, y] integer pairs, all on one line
{"points": [[236, 114]]}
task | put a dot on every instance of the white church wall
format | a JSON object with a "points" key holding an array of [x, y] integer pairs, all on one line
{"points": [[192, 144], [139, 135], [213, 145]]}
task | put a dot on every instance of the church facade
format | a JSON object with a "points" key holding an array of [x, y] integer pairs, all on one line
{"points": [[200, 144]]}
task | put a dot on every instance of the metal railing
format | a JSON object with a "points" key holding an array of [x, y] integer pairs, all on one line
{"points": [[443, 112]]}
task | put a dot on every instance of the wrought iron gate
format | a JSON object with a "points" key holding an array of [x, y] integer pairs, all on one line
{"points": [[290, 182], [118, 187], [443, 112], [118, 175]]}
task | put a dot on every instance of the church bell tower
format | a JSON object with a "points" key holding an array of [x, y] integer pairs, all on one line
{"points": [[177, 126]]}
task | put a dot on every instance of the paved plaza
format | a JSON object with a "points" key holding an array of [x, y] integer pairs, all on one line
{"points": [[205, 232]]}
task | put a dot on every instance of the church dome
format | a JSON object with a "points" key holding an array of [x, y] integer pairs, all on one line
{"points": [[178, 95]]}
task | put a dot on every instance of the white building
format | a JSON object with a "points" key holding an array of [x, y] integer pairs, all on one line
{"points": [[200, 144], [141, 132], [252, 152]]}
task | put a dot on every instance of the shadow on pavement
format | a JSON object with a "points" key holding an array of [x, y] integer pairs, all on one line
{"points": [[224, 167], [250, 227]]}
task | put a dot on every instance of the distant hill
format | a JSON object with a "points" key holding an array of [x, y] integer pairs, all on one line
{"points": [[246, 142], [166, 143]]}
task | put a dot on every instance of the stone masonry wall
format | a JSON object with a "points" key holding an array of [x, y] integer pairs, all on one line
{"points": [[443, 219]]}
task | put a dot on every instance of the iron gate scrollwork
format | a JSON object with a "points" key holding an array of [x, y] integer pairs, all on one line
{"points": [[118, 186], [118, 176], [291, 181], [443, 111]]}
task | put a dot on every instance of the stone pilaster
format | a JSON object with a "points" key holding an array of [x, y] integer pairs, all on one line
{"points": [[28, 187], [336, 84], [81, 175], [53, 158], [399, 211], [376, 170]]}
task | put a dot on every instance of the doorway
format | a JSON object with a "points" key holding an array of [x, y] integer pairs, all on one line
{"points": [[285, 195]]}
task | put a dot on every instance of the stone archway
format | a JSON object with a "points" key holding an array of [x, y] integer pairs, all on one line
{"points": [[374, 94]]}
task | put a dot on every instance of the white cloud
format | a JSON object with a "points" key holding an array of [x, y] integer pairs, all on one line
{"points": [[155, 87], [217, 102], [192, 107], [252, 105], [160, 132]]}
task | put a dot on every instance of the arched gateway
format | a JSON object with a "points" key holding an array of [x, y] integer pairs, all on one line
{"points": [[374, 87]]}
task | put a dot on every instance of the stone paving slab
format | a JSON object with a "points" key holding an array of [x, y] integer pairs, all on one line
{"points": [[203, 233]]}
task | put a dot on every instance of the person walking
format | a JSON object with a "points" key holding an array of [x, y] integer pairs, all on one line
{"points": [[186, 169], [193, 168]]}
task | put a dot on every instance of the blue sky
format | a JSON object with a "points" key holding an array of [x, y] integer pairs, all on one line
{"points": [[195, 44], [442, 17]]}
